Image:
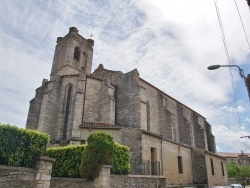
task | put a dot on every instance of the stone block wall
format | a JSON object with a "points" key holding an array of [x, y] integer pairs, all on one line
{"points": [[57, 182], [35, 107], [128, 101], [92, 100], [133, 139], [149, 96], [219, 165], [165, 124], [17, 177], [137, 181], [199, 133], [210, 138], [171, 152], [185, 127], [199, 166], [27, 177]]}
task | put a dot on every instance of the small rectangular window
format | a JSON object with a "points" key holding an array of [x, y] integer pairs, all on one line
{"points": [[180, 166], [222, 169], [212, 166]]}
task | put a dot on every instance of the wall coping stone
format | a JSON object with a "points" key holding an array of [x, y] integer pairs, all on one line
{"points": [[17, 168], [45, 158], [138, 176], [69, 179], [107, 166]]}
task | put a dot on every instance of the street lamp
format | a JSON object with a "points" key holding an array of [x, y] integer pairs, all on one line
{"points": [[241, 72]]}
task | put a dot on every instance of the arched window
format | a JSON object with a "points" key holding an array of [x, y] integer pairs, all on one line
{"points": [[77, 53], [67, 102]]}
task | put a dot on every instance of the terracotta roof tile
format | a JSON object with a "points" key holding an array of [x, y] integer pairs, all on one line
{"points": [[99, 125]]}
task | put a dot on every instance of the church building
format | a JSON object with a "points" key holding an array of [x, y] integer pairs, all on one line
{"points": [[166, 137]]}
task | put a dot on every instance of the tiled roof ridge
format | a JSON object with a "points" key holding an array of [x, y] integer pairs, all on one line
{"points": [[99, 125]]}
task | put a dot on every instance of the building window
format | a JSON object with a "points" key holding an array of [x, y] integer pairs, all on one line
{"points": [[180, 165], [67, 101], [148, 116], [212, 166], [77, 53], [165, 104], [222, 169]]}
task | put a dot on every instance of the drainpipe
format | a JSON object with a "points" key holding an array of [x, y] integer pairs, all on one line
{"points": [[161, 156]]}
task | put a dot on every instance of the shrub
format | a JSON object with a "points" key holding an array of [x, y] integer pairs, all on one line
{"points": [[67, 162], [121, 161], [98, 152], [21, 147]]}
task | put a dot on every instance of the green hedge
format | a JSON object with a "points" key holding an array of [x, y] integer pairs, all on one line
{"points": [[121, 160], [20, 147], [101, 149], [67, 162]]}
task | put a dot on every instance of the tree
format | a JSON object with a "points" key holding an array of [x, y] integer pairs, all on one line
{"points": [[238, 171], [98, 152], [233, 170]]}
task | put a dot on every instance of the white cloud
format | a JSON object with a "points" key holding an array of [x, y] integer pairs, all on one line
{"points": [[229, 137]]}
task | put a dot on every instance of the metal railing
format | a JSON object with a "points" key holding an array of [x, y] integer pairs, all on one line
{"points": [[147, 167]]}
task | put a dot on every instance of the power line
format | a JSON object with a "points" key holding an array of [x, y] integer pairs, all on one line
{"points": [[228, 58], [248, 1]]}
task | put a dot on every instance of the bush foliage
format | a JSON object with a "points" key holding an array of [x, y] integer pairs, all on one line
{"points": [[67, 162], [20, 147], [121, 161], [86, 160], [98, 152]]}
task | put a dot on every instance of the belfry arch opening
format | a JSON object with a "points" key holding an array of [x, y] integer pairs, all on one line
{"points": [[77, 53]]}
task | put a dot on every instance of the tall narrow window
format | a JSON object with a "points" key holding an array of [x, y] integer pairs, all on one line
{"points": [[212, 166], [67, 101], [180, 165], [148, 116], [77, 53], [222, 169]]}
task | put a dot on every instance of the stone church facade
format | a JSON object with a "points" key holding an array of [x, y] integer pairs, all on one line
{"points": [[166, 138]]}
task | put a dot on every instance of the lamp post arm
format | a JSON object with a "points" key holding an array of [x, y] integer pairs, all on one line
{"points": [[240, 70]]}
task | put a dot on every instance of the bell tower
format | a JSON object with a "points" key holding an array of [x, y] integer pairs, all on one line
{"points": [[57, 108], [73, 54]]}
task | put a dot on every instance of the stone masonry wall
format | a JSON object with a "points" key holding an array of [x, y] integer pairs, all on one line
{"points": [[219, 165], [184, 127], [104, 74], [61, 106], [48, 113], [92, 100], [17, 177], [70, 183], [199, 133], [164, 118], [128, 101], [210, 138], [132, 138], [199, 166], [27, 177], [149, 95], [35, 107], [137, 181]]}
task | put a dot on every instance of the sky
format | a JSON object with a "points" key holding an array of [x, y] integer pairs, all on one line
{"points": [[170, 42]]}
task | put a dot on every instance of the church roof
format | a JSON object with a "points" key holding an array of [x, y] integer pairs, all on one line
{"points": [[99, 125], [232, 155]]}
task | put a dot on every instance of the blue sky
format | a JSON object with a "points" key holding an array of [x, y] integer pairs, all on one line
{"points": [[171, 43]]}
